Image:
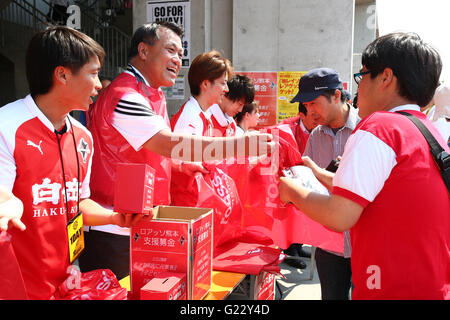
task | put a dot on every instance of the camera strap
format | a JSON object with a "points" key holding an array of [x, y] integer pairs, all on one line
{"points": [[441, 157]]}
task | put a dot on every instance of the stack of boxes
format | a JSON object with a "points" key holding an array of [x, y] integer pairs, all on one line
{"points": [[170, 254]]}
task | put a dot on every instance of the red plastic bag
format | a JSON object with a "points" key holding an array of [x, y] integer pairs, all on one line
{"points": [[98, 284], [249, 258], [12, 286], [214, 190], [265, 218], [288, 153]]}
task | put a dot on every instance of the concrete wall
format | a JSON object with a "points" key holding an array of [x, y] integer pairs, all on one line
{"points": [[277, 35], [365, 32], [293, 35]]}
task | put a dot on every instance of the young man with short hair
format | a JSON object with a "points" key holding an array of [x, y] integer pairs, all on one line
{"points": [[388, 189], [208, 76], [46, 157], [240, 92]]}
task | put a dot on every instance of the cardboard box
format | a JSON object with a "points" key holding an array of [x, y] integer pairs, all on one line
{"points": [[134, 188], [264, 286], [166, 286], [177, 239]]}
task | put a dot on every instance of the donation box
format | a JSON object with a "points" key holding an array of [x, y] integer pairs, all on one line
{"points": [[176, 240], [165, 286], [134, 188]]}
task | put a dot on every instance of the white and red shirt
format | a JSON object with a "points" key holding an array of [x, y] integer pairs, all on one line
{"points": [[31, 168], [400, 244], [191, 119], [127, 114], [223, 124]]}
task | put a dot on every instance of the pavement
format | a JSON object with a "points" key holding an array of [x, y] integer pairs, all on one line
{"points": [[296, 284]]}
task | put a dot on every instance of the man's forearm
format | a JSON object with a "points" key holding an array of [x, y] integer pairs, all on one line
{"points": [[198, 148], [334, 212]]}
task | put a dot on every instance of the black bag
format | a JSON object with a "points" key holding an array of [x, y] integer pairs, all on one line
{"points": [[441, 157]]}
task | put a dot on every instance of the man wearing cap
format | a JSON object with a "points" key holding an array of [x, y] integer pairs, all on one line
{"points": [[321, 91]]}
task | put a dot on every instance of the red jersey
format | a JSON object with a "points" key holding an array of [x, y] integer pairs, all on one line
{"points": [[400, 244], [192, 119], [301, 135], [32, 169], [223, 124]]}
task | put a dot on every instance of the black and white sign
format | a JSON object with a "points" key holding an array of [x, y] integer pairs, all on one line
{"points": [[178, 12]]}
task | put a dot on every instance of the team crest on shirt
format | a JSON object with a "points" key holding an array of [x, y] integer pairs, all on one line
{"points": [[230, 131], [83, 149]]}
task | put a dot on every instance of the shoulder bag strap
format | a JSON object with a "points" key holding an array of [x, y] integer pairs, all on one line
{"points": [[441, 157]]}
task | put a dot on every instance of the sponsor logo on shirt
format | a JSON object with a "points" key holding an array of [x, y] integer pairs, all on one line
{"points": [[52, 193], [37, 146]]}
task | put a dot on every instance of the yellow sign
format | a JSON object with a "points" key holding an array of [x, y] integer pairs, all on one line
{"points": [[287, 89], [76, 236]]}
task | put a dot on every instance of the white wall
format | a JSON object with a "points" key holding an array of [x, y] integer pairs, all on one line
{"points": [[293, 35]]}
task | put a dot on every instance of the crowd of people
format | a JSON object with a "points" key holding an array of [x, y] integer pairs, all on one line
{"points": [[388, 195]]}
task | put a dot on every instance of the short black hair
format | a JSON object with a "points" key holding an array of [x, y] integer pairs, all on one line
{"points": [[240, 86], [148, 33], [329, 93], [57, 46], [416, 64], [302, 108]]}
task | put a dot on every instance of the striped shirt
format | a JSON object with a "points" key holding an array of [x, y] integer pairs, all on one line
{"points": [[133, 116], [324, 146]]}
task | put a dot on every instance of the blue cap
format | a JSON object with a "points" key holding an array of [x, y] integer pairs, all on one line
{"points": [[315, 82]]}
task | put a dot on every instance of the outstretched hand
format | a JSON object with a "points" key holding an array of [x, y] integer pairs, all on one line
{"points": [[10, 214], [128, 220], [11, 210]]}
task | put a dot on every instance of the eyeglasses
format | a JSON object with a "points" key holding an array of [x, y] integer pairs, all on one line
{"points": [[358, 76]]}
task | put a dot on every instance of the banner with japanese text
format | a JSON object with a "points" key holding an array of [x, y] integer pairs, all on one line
{"points": [[287, 89], [274, 92], [266, 96]]}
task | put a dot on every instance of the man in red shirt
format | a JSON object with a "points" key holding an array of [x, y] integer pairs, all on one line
{"points": [[45, 158], [388, 190], [130, 124]]}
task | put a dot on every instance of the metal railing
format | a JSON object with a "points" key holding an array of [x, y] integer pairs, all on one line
{"points": [[21, 19]]}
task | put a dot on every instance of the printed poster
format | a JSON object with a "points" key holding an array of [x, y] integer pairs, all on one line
{"points": [[266, 95], [287, 89], [274, 92], [178, 12]]}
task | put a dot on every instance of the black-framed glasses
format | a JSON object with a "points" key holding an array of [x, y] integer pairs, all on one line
{"points": [[358, 76]]}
